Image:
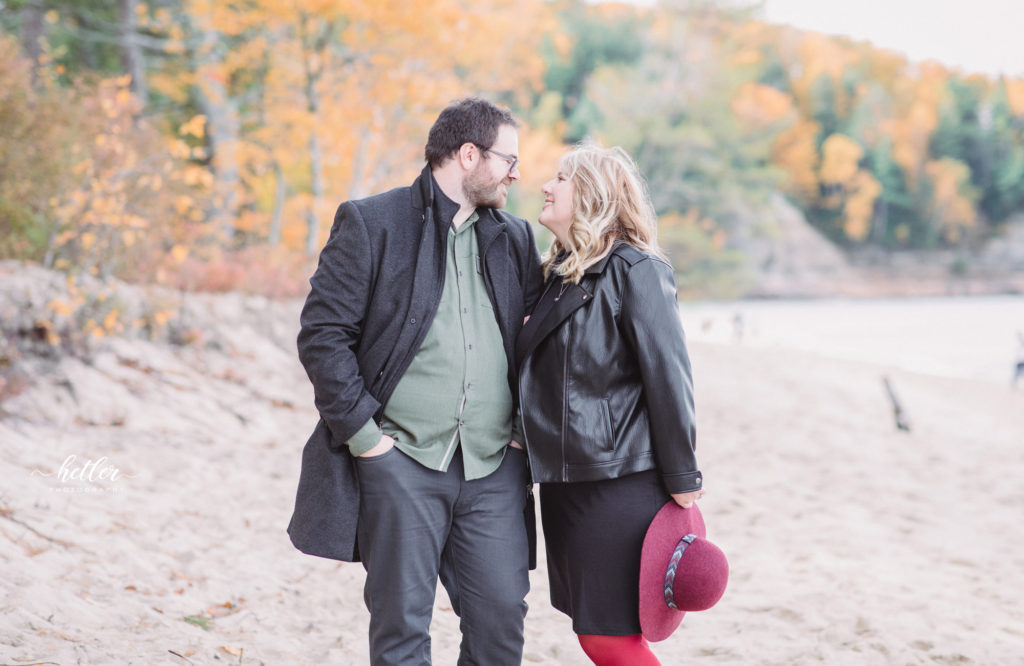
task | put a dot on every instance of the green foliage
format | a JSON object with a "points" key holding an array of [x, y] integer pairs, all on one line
{"points": [[597, 40], [895, 209], [36, 124], [22, 236], [703, 270], [697, 158], [978, 127]]}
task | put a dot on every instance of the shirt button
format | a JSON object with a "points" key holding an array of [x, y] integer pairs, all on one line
{"points": [[465, 309], [460, 273], [470, 346], [469, 386], [462, 423]]}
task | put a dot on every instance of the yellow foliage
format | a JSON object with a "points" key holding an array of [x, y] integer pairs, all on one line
{"points": [[110, 321], [59, 308], [860, 205], [87, 240], [1015, 95], [196, 126], [819, 56], [840, 156], [916, 117], [747, 56], [796, 152], [761, 106], [179, 252], [182, 204]]}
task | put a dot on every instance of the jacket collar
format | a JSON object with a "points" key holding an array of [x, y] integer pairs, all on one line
{"points": [[427, 194], [572, 298], [600, 265], [423, 190]]}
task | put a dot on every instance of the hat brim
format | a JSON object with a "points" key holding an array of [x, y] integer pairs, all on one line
{"points": [[672, 522]]}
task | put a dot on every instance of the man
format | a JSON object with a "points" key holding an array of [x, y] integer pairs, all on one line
{"points": [[407, 336]]}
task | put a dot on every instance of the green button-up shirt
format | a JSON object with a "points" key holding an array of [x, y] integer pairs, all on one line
{"points": [[456, 390]]}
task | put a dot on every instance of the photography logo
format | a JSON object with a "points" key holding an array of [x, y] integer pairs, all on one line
{"points": [[86, 475]]}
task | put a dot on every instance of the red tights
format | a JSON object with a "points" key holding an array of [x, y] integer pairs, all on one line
{"points": [[618, 650]]}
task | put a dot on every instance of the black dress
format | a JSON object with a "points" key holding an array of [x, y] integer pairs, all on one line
{"points": [[594, 532]]}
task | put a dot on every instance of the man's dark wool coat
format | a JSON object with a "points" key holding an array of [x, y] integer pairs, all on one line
{"points": [[372, 299]]}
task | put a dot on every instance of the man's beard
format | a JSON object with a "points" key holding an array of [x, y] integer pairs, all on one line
{"points": [[480, 190]]}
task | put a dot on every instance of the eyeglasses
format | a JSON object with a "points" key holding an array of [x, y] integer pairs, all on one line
{"points": [[511, 159]]}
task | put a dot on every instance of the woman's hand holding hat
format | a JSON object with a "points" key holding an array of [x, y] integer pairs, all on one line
{"points": [[686, 500]]}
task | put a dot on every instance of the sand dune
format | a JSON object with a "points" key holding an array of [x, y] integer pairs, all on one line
{"points": [[850, 542]]}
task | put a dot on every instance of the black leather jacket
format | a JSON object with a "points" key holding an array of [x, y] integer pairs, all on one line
{"points": [[604, 376]]}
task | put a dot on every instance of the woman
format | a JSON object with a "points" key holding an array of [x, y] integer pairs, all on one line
{"points": [[606, 395]]}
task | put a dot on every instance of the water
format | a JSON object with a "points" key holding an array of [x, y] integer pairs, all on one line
{"points": [[968, 337]]}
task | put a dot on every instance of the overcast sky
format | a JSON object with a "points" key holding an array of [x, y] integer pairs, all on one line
{"points": [[974, 35]]}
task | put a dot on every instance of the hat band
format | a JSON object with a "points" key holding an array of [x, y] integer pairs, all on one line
{"points": [[673, 564]]}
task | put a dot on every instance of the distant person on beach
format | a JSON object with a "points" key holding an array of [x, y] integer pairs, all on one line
{"points": [[1018, 370], [407, 335], [607, 397]]}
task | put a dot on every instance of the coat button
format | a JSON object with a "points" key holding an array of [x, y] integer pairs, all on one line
{"points": [[413, 320]]}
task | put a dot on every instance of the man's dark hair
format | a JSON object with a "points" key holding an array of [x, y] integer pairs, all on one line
{"points": [[469, 120]]}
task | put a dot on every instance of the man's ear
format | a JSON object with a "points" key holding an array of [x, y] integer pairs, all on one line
{"points": [[469, 155]]}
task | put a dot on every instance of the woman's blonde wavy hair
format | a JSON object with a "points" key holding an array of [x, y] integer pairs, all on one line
{"points": [[611, 203]]}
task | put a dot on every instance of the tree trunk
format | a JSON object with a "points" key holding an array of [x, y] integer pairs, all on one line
{"points": [[357, 184], [274, 236], [314, 47], [317, 187], [131, 50], [33, 26], [222, 130]]}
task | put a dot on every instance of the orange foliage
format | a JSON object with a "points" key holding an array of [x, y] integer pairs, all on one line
{"points": [[760, 106], [796, 152], [860, 205], [840, 157], [365, 80], [915, 119], [1015, 95], [822, 56], [120, 178]]}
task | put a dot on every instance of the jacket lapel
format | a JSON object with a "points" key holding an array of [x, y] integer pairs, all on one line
{"points": [[492, 245], [573, 298]]}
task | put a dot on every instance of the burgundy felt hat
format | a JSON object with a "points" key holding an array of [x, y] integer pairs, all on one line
{"points": [[680, 570]]}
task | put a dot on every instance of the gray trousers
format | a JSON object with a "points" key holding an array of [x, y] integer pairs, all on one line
{"points": [[416, 524]]}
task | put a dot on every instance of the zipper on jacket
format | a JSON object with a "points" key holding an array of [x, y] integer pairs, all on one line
{"points": [[522, 397], [565, 398]]}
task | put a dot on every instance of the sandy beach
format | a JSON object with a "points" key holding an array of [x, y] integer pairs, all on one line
{"points": [[850, 542]]}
